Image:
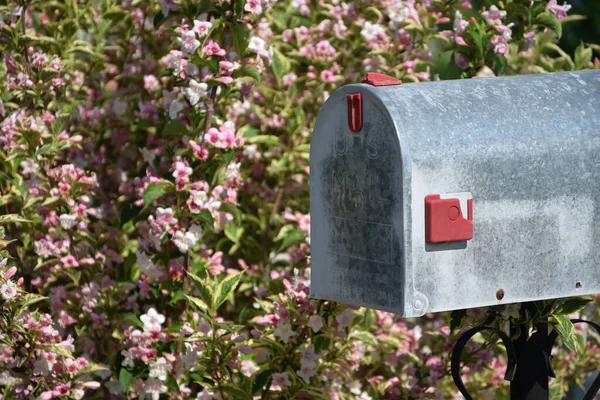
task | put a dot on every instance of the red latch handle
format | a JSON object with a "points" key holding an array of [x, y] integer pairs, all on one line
{"points": [[355, 112]]}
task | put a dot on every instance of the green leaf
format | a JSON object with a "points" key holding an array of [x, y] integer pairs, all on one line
{"points": [[280, 65], [174, 128], [10, 218], [92, 367], [237, 392], [571, 306], [566, 330], [265, 139], [292, 238], [153, 192], [60, 124], [248, 70], [198, 302], [233, 210], [31, 298], [226, 287], [205, 216], [322, 343], [239, 7], [582, 57], [303, 148], [233, 232], [248, 131], [259, 380], [456, 319], [134, 319], [550, 21], [205, 290], [125, 379], [60, 350], [129, 211], [241, 37], [365, 337]]}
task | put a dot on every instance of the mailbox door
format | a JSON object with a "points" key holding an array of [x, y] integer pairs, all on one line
{"points": [[356, 196], [528, 150]]}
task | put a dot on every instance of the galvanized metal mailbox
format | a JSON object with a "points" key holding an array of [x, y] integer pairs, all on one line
{"points": [[446, 195]]}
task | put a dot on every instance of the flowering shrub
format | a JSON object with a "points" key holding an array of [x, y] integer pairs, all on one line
{"points": [[154, 186]]}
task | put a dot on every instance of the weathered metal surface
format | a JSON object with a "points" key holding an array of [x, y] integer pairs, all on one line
{"points": [[526, 147]]}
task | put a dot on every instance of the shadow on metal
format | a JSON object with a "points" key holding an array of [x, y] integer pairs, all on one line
{"points": [[533, 356]]}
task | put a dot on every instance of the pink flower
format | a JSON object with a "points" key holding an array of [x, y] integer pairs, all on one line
{"points": [[150, 83], [253, 6], [324, 48], [459, 24], [201, 27], [69, 261], [559, 11], [494, 16], [306, 372], [345, 318], [211, 48], [281, 379], [11, 272], [460, 61]]}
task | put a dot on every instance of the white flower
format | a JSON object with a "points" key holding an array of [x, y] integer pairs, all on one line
{"points": [[127, 359], [120, 107], [232, 171], [8, 290], [113, 386], [67, 221], [477, 314], [249, 368], [188, 42], [511, 310], [152, 319], [154, 388], [190, 358], [315, 322], [372, 31], [345, 318], [159, 369], [147, 266], [283, 331], [205, 395], [29, 167], [256, 44], [174, 108], [493, 16], [186, 240], [42, 367], [195, 91]]}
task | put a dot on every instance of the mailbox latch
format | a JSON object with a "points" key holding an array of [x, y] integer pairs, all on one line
{"points": [[355, 112], [445, 217]]}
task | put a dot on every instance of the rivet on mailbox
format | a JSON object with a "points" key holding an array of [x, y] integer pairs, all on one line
{"points": [[392, 226]]}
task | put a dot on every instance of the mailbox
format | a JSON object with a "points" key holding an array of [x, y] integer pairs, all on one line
{"points": [[437, 196]]}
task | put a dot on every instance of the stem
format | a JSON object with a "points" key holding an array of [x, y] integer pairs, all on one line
{"points": [[214, 360]]}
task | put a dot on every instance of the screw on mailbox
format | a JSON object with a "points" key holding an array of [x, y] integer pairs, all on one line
{"points": [[425, 199]]}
